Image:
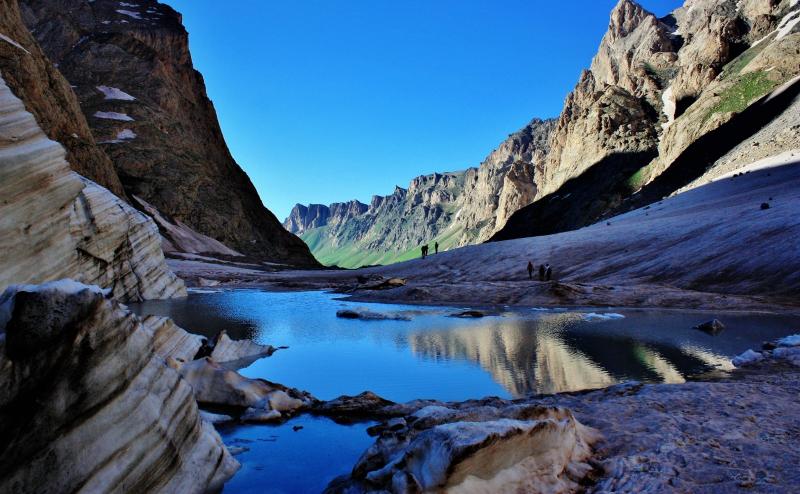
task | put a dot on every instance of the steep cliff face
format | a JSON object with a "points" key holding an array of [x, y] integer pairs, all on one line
{"points": [[48, 96], [130, 66], [88, 406], [452, 209], [664, 101], [56, 224]]}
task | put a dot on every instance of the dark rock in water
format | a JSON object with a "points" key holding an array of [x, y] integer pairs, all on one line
{"points": [[349, 408], [768, 345], [712, 327], [386, 285], [348, 314], [296, 428], [469, 313], [370, 316], [764, 205]]}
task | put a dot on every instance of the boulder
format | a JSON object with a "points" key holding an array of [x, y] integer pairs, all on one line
{"points": [[238, 353], [87, 405], [215, 385], [370, 316], [712, 327], [548, 452], [469, 314]]}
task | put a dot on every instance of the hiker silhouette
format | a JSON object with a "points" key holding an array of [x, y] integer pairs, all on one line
{"points": [[548, 273], [541, 272], [424, 251], [436, 247], [530, 270]]}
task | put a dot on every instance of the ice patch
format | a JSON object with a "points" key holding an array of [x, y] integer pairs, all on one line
{"points": [[792, 340], [112, 115], [115, 93], [130, 13], [747, 358], [122, 136], [14, 43], [594, 316], [787, 24]]}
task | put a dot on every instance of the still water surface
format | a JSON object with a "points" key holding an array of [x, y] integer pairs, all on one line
{"points": [[511, 354]]}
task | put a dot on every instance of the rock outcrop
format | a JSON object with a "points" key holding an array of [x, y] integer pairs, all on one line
{"points": [[87, 405], [453, 209], [254, 400], [132, 72], [664, 101], [475, 449], [56, 224]]}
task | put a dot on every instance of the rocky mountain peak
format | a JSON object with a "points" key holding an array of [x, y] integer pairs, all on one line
{"points": [[625, 17]]}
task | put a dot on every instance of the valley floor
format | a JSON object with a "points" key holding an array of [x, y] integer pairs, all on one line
{"points": [[730, 244]]}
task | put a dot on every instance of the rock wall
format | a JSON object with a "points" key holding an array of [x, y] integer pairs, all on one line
{"points": [[131, 69], [49, 97], [664, 100], [88, 406], [55, 224]]}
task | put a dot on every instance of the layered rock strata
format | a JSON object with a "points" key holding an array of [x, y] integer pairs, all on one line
{"points": [[87, 405], [56, 224], [49, 97], [520, 448]]}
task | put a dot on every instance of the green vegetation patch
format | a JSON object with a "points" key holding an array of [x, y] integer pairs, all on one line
{"points": [[738, 96], [735, 66]]}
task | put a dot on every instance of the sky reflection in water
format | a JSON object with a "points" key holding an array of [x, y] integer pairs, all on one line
{"points": [[433, 356]]}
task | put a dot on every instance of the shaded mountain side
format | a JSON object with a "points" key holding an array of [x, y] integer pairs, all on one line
{"points": [[580, 201], [131, 69], [48, 96], [451, 209], [707, 106]]}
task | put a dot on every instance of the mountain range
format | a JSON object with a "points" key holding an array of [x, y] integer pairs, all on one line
{"points": [[665, 102]]}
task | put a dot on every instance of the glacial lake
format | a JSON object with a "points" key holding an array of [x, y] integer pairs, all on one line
{"points": [[511, 353]]}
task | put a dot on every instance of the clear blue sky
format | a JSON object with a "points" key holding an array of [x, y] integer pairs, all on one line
{"points": [[324, 101]]}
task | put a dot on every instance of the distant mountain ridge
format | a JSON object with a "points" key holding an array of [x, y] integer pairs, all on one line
{"points": [[664, 103], [453, 208]]}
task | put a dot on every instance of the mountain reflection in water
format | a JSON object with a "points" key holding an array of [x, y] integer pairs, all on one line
{"points": [[513, 354]]}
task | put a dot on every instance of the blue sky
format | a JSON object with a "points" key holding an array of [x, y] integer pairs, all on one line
{"points": [[324, 101]]}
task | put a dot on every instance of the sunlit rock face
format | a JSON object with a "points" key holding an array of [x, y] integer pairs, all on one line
{"points": [[55, 224], [132, 72], [662, 104], [87, 405], [481, 449]]}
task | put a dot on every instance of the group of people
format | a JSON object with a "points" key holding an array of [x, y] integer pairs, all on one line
{"points": [[425, 249], [545, 271]]}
